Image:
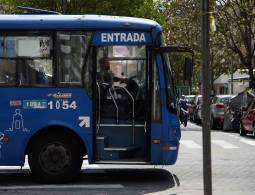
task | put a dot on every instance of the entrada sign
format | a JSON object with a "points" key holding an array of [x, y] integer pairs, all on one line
{"points": [[121, 38]]}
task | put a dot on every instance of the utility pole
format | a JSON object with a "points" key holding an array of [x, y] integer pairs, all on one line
{"points": [[207, 167], [64, 6], [232, 78]]}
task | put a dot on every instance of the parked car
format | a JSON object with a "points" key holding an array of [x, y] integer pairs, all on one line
{"points": [[247, 124], [191, 105], [217, 108], [233, 111], [197, 113]]}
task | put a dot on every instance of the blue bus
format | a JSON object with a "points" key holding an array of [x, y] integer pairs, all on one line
{"points": [[85, 86]]}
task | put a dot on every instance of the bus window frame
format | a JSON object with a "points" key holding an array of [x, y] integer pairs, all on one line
{"points": [[148, 87], [167, 50]]}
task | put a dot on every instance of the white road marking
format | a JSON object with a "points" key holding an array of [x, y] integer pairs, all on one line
{"points": [[190, 144], [224, 144], [85, 165], [234, 136], [250, 142], [32, 187]]}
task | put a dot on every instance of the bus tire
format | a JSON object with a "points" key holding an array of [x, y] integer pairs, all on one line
{"points": [[253, 130], [55, 157]]}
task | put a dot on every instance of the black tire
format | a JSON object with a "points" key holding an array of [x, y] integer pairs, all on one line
{"points": [[253, 130], [55, 157], [196, 119], [185, 122], [212, 123], [242, 131], [191, 118]]}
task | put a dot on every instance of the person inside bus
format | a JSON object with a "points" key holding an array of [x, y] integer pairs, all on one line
{"points": [[106, 75], [106, 79]]}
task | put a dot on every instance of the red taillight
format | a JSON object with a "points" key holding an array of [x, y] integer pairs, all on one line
{"points": [[219, 105]]}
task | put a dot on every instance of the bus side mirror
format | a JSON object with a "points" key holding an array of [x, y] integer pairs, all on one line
{"points": [[188, 69]]}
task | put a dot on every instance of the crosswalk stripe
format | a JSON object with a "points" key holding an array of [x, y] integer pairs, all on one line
{"points": [[224, 144], [234, 136], [252, 143], [190, 144]]}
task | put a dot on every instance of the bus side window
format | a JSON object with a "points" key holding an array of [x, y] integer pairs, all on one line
{"points": [[71, 50], [7, 64], [7, 72], [156, 101], [30, 55]]}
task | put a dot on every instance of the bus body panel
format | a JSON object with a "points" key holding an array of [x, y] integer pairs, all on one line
{"points": [[76, 22], [24, 111], [168, 131]]}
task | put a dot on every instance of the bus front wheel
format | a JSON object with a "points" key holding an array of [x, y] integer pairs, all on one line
{"points": [[55, 158]]}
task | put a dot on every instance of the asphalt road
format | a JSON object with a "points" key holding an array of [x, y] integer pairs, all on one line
{"points": [[233, 168]]}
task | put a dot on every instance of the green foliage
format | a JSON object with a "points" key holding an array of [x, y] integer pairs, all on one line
{"points": [[143, 8], [182, 28], [236, 24], [181, 24]]}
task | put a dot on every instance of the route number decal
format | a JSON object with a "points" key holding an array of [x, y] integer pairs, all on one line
{"points": [[65, 105]]}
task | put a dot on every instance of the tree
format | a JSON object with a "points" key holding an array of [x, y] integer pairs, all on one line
{"points": [[182, 28], [236, 22], [141, 8]]}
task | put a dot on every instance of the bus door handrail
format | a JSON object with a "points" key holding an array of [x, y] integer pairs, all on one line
{"points": [[133, 113], [99, 107], [116, 105]]}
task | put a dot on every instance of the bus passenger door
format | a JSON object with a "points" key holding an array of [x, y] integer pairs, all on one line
{"points": [[121, 95]]}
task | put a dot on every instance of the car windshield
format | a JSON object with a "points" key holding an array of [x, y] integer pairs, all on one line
{"points": [[224, 100], [190, 99]]}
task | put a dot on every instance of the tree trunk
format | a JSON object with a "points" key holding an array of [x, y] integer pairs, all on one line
{"points": [[252, 79]]}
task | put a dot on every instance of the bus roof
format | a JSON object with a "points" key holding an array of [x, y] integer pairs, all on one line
{"points": [[75, 22]]}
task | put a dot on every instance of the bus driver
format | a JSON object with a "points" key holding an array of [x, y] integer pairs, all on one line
{"points": [[106, 75]]}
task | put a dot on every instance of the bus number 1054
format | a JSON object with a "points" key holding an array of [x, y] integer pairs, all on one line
{"points": [[65, 104]]}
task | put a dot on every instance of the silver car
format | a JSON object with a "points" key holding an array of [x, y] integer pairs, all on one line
{"points": [[197, 116], [217, 110]]}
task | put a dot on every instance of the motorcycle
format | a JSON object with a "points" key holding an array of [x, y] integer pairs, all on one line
{"points": [[184, 114]]}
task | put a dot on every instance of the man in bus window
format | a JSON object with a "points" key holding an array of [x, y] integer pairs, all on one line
{"points": [[106, 75]]}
